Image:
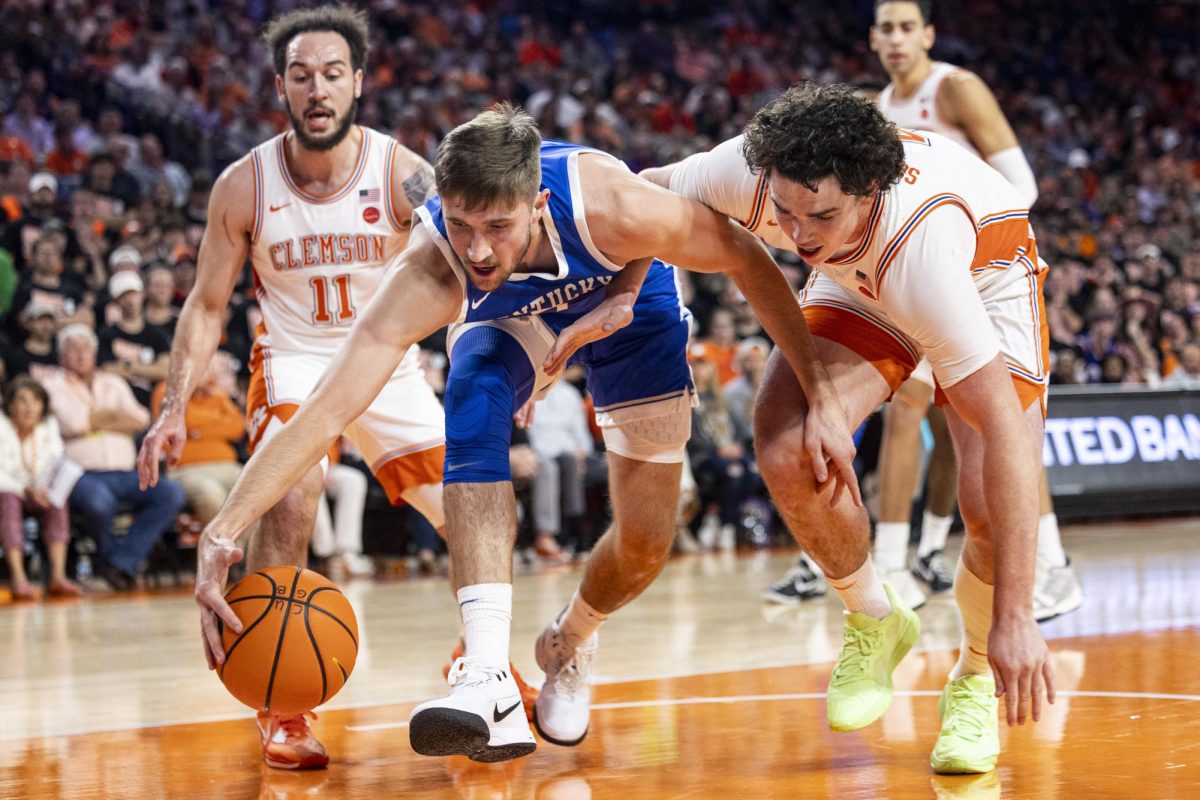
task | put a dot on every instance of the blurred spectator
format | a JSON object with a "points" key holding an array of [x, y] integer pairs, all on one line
{"points": [[560, 438], [724, 472], [48, 286], [1187, 374], [749, 361], [129, 347], [156, 167], [37, 355], [161, 311], [116, 189], [208, 465], [30, 444], [337, 536], [18, 237], [719, 346], [29, 126], [98, 416]]}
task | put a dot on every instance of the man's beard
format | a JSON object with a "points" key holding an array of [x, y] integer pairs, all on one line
{"points": [[329, 141]]}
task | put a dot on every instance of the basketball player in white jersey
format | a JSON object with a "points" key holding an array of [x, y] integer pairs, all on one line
{"points": [[919, 249], [928, 95], [319, 211]]}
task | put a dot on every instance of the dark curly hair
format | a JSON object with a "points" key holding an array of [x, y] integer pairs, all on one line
{"points": [[25, 382], [814, 131], [349, 23]]}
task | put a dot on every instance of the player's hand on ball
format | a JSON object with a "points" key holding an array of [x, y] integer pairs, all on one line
{"points": [[214, 556], [610, 316]]}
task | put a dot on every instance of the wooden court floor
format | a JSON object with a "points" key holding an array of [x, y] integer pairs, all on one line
{"points": [[703, 692]]}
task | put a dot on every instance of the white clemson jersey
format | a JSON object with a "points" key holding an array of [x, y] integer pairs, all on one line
{"points": [[318, 261], [937, 173], [920, 112]]}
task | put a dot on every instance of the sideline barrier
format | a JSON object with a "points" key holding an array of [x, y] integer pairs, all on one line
{"points": [[1128, 452]]}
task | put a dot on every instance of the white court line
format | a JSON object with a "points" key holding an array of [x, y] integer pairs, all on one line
{"points": [[765, 698]]}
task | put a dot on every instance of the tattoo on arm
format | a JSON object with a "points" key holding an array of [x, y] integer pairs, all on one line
{"points": [[419, 185]]}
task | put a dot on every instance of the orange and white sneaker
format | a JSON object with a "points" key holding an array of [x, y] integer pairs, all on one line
{"points": [[529, 695], [288, 742]]}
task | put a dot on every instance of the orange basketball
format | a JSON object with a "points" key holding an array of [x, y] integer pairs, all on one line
{"points": [[298, 642]]}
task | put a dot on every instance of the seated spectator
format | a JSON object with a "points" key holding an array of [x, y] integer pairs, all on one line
{"points": [[98, 416], [337, 536], [37, 355], [724, 472], [208, 466], [29, 444], [130, 347], [749, 361], [161, 311], [560, 438], [46, 284], [19, 237], [1186, 374], [720, 344]]}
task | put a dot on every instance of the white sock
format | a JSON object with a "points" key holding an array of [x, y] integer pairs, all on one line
{"points": [[934, 530], [487, 617], [891, 544], [1049, 542], [579, 621], [862, 590], [974, 599]]}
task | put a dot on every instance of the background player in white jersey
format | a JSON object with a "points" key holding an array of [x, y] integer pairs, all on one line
{"points": [[918, 249], [524, 241], [319, 211], [930, 95]]}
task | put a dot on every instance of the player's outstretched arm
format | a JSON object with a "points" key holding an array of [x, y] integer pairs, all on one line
{"points": [[223, 252], [1018, 654], [419, 296], [631, 218]]}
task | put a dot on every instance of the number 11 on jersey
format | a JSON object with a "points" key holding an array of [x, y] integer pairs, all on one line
{"points": [[323, 303]]}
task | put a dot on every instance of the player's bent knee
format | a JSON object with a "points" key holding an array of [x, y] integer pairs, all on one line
{"points": [[479, 408]]}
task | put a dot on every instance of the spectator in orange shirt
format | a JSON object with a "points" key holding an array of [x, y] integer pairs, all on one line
{"points": [[209, 466], [720, 346]]}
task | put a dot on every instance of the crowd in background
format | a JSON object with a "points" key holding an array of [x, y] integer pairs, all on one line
{"points": [[118, 115]]}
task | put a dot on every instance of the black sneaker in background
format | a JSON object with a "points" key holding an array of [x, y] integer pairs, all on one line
{"points": [[804, 581], [934, 570]]}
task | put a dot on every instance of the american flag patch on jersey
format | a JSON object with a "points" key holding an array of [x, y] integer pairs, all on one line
{"points": [[368, 195]]}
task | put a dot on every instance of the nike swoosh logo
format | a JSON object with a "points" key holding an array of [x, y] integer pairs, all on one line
{"points": [[498, 715], [772, 223], [453, 467], [477, 303], [276, 208]]}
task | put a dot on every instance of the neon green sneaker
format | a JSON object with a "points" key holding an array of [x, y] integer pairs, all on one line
{"points": [[970, 737], [860, 689]]}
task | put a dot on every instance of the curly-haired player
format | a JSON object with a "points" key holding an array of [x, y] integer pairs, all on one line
{"points": [[919, 248]]}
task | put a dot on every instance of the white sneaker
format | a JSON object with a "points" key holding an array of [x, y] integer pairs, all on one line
{"points": [[482, 718], [562, 710], [358, 565], [905, 586], [1056, 590], [727, 539], [709, 530]]}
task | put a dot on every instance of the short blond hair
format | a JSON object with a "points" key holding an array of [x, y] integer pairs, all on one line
{"points": [[493, 159]]}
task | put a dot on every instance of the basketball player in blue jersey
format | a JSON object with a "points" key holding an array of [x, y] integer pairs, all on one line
{"points": [[525, 239]]}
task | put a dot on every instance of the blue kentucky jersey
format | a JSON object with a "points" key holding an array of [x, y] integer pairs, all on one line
{"points": [[583, 271]]}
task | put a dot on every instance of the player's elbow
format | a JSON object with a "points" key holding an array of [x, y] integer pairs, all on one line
{"points": [[659, 176]]}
